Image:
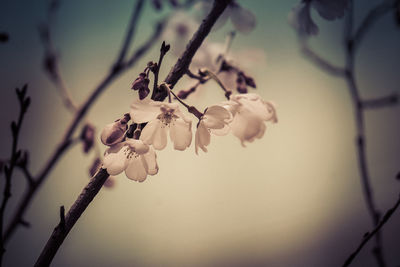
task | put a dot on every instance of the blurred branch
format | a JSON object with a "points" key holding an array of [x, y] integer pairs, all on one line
{"points": [[375, 231], [50, 62], [353, 41], [373, 15], [79, 115], [381, 102], [319, 61], [68, 221], [24, 103], [360, 128]]}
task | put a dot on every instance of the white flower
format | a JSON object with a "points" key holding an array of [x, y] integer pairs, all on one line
{"points": [[250, 112], [134, 157], [215, 120], [161, 117]]}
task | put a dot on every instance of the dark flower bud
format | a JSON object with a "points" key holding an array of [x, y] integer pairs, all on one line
{"points": [[144, 92], [113, 133], [249, 80], [142, 84], [241, 83], [87, 137], [164, 48], [225, 66], [139, 81]]}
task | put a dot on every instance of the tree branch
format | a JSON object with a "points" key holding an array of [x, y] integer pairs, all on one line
{"points": [[369, 235], [320, 62], [24, 103], [67, 222], [79, 115], [373, 15], [380, 102], [181, 66]]}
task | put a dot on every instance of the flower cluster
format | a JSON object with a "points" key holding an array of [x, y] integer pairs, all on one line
{"points": [[244, 114]]}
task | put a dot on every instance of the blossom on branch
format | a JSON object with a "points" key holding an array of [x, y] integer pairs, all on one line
{"points": [[250, 112], [162, 117], [215, 120], [134, 157]]}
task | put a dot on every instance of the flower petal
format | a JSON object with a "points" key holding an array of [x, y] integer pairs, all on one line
{"points": [[115, 163], [202, 138], [243, 19], [247, 126], [181, 133], [137, 145], [144, 110], [151, 159], [136, 170], [155, 134]]}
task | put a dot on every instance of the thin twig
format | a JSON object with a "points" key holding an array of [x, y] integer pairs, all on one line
{"points": [[374, 14], [381, 102], [66, 140], [319, 61], [360, 138], [67, 222], [351, 43], [369, 235], [15, 155]]}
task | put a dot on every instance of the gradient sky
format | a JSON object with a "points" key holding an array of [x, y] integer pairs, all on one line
{"points": [[292, 198]]}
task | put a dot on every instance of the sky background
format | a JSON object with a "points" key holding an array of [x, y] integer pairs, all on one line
{"points": [[292, 198]]}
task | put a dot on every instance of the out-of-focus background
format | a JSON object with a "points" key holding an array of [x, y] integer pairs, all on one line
{"points": [[292, 198]]}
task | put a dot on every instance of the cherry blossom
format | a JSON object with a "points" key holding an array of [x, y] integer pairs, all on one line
{"points": [[134, 157], [162, 117], [250, 112], [114, 133], [215, 120]]}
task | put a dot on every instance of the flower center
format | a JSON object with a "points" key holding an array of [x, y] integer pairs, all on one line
{"points": [[130, 153], [167, 117]]}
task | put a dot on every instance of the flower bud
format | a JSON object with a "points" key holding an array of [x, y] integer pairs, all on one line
{"points": [[87, 137], [113, 133]]}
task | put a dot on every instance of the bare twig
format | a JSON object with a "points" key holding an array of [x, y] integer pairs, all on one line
{"points": [[321, 62], [381, 102], [24, 103], [369, 235], [81, 112], [68, 221], [374, 14], [352, 42]]}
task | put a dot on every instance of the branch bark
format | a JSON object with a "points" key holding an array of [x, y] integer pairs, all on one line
{"points": [[17, 218], [64, 227], [369, 235]]}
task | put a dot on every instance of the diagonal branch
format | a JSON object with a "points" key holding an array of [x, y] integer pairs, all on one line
{"points": [[369, 235], [66, 140], [182, 65], [68, 221]]}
